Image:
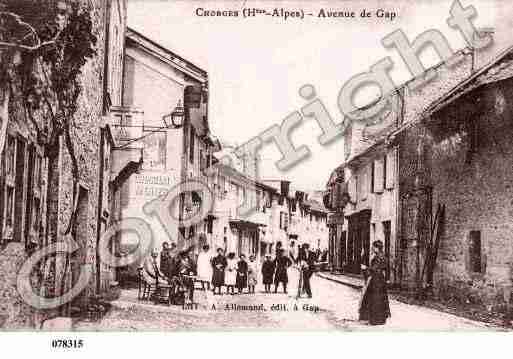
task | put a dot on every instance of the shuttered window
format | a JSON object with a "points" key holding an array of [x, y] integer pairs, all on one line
{"points": [[362, 185], [191, 144], [390, 170], [352, 188], [378, 176]]}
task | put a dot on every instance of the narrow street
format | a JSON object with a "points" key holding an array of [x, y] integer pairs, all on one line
{"points": [[333, 306]]}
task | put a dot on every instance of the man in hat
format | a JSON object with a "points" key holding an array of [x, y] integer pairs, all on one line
{"points": [[165, 258], [282, 263], [219, 264], [268, 273], [306, 259]]}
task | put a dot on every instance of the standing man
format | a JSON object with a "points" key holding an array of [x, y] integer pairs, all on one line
{"points": [[306, 260], [268, 273], [165, 259], [282, 263], [219, 264]]}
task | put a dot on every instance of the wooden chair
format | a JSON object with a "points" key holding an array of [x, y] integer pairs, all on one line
{"points": [[141, 284], [162, 293], [148, 285]]}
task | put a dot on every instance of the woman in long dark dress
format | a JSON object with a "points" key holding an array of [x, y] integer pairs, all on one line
{"points": [[242, 274], [218, 266], [374, 306]]}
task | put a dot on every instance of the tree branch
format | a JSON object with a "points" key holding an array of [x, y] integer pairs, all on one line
{"points": [[32, 31]]}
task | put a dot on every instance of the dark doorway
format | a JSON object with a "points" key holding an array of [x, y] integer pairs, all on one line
{"points": [[358, 245], [342, 249], [20, 197]]}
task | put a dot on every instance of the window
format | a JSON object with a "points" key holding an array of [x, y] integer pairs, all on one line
{"points": [[371, 179], [37, 171], [378, 176], [191, 145], [202, 161], [244, 165], [9, 210], [258, 200], [9, 161], [268, 200], [222, 185], [384, 171], [352, 188], [284, 222], [35, 215], [390, 168], [210, 225], [475, 252]]}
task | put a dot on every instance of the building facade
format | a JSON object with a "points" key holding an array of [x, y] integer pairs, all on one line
{"points": [[37, 192], [160, 84], [296, 217], [431, 185], [454, 177]]}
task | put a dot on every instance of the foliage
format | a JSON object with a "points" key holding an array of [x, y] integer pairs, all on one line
{"points": [[54, 40], [48, 77], [44, 45]]}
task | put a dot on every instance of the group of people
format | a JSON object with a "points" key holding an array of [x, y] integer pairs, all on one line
{"points": [[219, 271], [175, 267], [240, 273], [227, 271]]}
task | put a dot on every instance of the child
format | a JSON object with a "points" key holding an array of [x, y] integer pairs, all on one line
{"points": [[231, 273]]}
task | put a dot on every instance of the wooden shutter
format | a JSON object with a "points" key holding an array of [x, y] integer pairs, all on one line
{"points": [[379, 176], [352, 189], [390, 170]]}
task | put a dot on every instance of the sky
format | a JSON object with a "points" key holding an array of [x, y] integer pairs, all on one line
{"points": [[257, 65]]}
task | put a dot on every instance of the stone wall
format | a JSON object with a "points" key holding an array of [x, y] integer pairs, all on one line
{"points": [[466, 160], [14, 314]]}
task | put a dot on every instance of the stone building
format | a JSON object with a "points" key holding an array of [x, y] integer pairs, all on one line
{"points": [[448, 220], [364, 191], [455, 176], [36, 188], [295, 218], [235, 228]]}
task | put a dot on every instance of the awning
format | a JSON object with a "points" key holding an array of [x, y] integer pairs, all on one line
{"points": [[211, 217], [244, 223]]}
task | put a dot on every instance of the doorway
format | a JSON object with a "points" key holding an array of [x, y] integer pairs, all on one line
{"points": [[358, 245]]}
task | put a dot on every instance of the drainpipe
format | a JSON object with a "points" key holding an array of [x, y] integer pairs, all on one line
{"points": [[106, 56], [100, 207]]}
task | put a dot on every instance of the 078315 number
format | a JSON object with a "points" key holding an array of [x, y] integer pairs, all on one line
{"points": [[67, 343]]}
